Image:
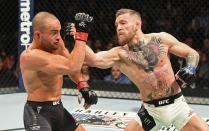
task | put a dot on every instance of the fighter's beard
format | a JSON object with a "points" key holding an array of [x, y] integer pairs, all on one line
{"points": [[127, 40], [123, 42]]}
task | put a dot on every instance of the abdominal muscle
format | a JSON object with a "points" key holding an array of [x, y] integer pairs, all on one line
{"points": [[43, 88], [152, 85], [158, 84]]}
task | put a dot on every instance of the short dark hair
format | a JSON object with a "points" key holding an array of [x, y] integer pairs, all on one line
{"points": [[38, 22], [130, 11]]}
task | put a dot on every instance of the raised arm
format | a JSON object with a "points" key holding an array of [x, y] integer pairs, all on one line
{"points": [[180, 49], [83, 24], [102, 59]]}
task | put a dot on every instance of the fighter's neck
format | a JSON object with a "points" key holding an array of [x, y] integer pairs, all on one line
{"points": [[35, 45], [137, 42]]}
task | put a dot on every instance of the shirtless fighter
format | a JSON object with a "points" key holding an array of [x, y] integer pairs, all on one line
{"points": [[144, 58], [43, 65]]}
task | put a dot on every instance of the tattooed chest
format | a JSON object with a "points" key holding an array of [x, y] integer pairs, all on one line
{"points": [[146, 55]]}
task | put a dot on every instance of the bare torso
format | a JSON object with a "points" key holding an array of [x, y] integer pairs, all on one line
{"points": [[41, 86], [149, 68]]}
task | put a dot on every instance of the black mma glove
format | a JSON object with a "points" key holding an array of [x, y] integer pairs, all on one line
{"points": [[83, 24], [186, 75], [89, 95]]}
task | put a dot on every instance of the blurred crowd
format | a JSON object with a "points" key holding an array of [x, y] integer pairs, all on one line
{"points": [[188, 21], [8, 72]]}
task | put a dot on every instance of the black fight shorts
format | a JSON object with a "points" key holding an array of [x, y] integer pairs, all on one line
{"points": [[48, 116]]}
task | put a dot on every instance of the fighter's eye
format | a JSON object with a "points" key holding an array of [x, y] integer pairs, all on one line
{"points": [[54, 32], [122, 23]]}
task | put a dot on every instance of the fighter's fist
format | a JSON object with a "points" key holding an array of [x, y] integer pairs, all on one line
{"points": [[186, 75], [83, 24], [89, 95], [70, 29]]}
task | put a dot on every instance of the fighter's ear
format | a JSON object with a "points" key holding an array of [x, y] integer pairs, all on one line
{"points": [[37, 34], [138, 23]]}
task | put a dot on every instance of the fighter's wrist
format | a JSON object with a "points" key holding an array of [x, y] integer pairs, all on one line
{"points": [[83, 36], [191, 68], [82, 84]]}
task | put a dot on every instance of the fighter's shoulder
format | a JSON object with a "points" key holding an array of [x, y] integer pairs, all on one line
{"points": [[32, 52], [166, 38], [116, 49], [161, 35]]}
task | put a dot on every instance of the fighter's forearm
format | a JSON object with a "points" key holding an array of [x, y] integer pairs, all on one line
{"points": [[90, 57], [76, 77], [193, 58]]}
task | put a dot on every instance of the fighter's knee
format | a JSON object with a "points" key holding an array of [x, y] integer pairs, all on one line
{"points": [[196, 127], [203, 128]]}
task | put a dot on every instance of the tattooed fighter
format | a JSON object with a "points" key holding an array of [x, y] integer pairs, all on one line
{"points": [[144, 58]]}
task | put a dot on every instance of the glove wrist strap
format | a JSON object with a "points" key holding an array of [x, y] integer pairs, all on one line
{"points": [[191, 68], [82, 84], [81, 36]]}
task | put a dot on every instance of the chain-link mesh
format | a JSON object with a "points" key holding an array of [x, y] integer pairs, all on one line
{"points": [[187, 20], [8, 43]]}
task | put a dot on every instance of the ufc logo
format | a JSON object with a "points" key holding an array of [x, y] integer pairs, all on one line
{"points": [[56, 103], [82, 24], [163, 102]]}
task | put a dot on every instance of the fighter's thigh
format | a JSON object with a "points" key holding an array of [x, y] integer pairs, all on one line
{"points": [[133, 125], [196, 124], [70, 123], [40, 124], [35, 121]]}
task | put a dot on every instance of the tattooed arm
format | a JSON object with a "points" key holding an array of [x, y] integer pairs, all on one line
{"points": [[180, 49], [102, 59]]}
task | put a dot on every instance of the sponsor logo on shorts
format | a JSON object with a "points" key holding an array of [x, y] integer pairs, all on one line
{"points": [[56, 103], [190, 113], [147, 121], [163, 102], [35, 128], [39, 109]]}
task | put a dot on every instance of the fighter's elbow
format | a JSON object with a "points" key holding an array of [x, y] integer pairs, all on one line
{"points": [[193, 58], [197, 54], [194, 54]]}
